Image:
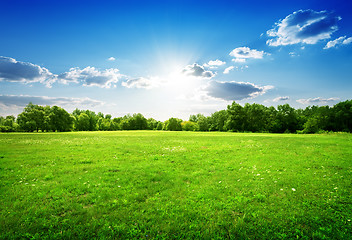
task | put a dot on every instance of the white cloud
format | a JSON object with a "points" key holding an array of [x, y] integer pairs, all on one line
{"points": [[214, 64], [227, 70], [303, 26], [239, 60], [317, 100], [196, 70], [240, 54], [91, 76], [281, 99], [231, 91], [111, 59], [24, 72], [294, 54], [338, 41], [141, 82]]}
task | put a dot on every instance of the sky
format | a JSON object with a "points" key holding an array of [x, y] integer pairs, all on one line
{"points": [[173, 58]]}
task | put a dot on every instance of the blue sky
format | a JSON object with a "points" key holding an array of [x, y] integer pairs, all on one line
{"points": [[173, 58]]}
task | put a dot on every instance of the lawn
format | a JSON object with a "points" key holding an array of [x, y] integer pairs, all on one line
{"points": [[175, 185]]}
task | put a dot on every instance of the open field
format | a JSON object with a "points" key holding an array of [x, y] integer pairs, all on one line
{"points": [[154, 185]]}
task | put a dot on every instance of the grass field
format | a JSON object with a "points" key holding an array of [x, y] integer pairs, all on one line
{"points": [[171, 185]]}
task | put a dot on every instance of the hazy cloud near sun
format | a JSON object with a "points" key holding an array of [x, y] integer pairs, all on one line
{"points": [[91, 76], [23, 100], [232, 91], [240, 54], [24, 72], [303, 26], [196, 70], [141, 82], [317, 100]]}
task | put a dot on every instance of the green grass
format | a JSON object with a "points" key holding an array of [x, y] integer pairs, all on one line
{"points": [[172, 185]]}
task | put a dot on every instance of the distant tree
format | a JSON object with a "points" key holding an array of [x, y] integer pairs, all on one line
{"points": [[193, 118], [218, 121], [138, 122], [152, 124], [160, 126], [60, 120], [256, 117], [104, 124], [124, 125], [116, 123], [288, 118], [236, 117], [342, 120], [32, 118], [274, 123], [93, 119], [82, 122], [8, 124], [189, 126], [311, 125], [173, 124]]}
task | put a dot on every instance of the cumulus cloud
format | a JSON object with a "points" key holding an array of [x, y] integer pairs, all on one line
{"points": [[303, 26], [231, 91], [141, 82], [240, 54], [214, 64], [23, 100], [196, 70], [91, 76], [24, 72], [278, 99], [111, 59], [317, 100], [227, 70], [338, 41]]}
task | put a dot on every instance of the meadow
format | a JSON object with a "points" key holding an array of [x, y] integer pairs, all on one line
{"points": [[175, 185]]}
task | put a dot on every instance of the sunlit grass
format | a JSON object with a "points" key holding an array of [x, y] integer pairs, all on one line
{"points": [[175, 185]]}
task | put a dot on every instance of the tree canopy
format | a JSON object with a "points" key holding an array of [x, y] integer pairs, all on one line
{"points": [[236, 118]]}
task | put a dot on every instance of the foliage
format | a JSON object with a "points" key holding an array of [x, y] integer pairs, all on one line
{"points": [[189, 126], [173, 124], [236, 118]]}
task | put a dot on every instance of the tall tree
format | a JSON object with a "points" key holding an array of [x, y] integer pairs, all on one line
{"points": [[32, 118], [173, 124], [236, 117]]}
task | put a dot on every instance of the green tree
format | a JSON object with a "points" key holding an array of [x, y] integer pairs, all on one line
{"points": [[8, 124], [32, 118], [60, 120], [342, 116], [152, 124], [173, 124], [236, 117], [218, 120], [82, 122], [189, 126], [160, 126], [288, 118], [256, 117], [138, 122]]}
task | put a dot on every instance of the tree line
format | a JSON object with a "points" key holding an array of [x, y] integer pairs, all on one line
{"points": [[236, 118]]}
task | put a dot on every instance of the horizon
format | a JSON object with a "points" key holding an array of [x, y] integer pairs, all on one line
{"points": [[174, 58]]}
